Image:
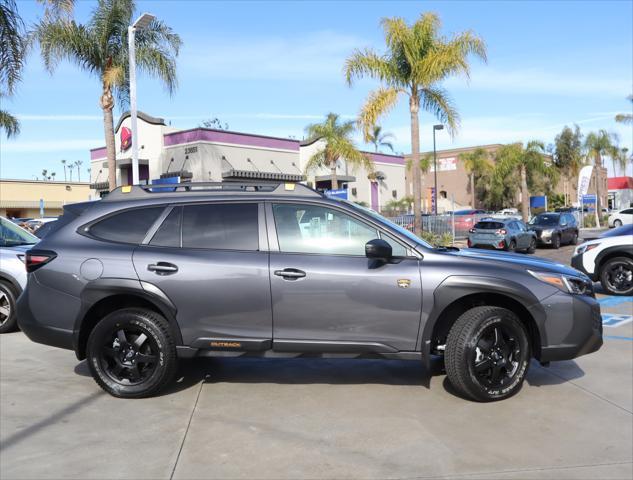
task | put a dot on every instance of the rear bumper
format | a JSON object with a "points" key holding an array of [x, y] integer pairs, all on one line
{"points": [[573, 327], [492, 242]]}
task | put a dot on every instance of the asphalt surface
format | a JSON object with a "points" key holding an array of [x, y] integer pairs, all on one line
{"points": [[311, 418]]}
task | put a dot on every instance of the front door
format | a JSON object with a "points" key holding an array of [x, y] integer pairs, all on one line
{"points": [[327, 296], [208, 259]]}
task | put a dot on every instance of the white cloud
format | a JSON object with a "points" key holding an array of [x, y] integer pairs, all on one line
{"points": [[33, 146], [536, 80], [313, 56]]}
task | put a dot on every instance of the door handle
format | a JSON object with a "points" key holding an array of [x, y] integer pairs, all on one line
{"points": [[290, 273], [162, 268]]}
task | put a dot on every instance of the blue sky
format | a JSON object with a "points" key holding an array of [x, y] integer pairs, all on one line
{"points": [[273, 67]]}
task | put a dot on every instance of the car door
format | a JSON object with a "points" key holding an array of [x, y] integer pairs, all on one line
{"points": [[327, 295], [211, 261]]}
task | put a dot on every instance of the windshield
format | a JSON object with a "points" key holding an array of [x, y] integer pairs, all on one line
{"points": [[616, 232], [384, 221], [12, 236], [547, 220]]}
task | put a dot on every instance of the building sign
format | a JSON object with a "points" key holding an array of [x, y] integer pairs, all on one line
{"points": [[589, 202], [126, 138], [446, 164], [539, 201], [339, 193]]}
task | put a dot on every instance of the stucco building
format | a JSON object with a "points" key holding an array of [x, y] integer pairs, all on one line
{"points": [[23, 198]]}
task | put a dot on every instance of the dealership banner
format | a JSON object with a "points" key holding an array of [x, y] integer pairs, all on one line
{"points": [[583, 182]]}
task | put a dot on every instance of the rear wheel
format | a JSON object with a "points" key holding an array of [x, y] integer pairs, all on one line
{"points": [[131, 353], [8, 316], [532, 247], [556, 242], [574, 239], [616, 276], [512, 246], [487, 354]]}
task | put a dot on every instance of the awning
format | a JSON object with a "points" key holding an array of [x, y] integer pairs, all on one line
{"points": [[339, 178], [255, 175], [121, 162]]}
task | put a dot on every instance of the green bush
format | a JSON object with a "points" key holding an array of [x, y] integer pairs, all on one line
{"points": [[443, 240]]}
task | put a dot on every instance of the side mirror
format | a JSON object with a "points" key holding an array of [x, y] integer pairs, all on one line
{"points": [[378, 249]]}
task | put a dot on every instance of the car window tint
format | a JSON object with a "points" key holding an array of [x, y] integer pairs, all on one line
{"points": [[129, 226], [628, 211], [315, 229], [230, 226], [397, 250], [489, 225], [168, 234]]}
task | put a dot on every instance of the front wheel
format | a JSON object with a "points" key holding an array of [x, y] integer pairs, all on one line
{"points": [[487, 354], [617, 223], [616, 276], [131, 353]]}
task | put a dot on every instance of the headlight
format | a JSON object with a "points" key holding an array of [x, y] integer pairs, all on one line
{"points": [[548, 231], [566, 283], [585, 248]]}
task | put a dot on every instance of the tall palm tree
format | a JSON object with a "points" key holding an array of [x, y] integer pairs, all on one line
{"points": [[78, 164], [100, 47], [338, 144], [416, 62], [12, 53], [424, 165], [64, 164], [568, 155], [475, 163], [597, 145], [530, 162], [625, 118], [379, 139]]}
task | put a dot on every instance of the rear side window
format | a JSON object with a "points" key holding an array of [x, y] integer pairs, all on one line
{"points": [[231, 226], [129, 226], [168, 234], [489, 225]]}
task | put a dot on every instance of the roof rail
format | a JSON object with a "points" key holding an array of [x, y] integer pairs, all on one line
{"points": [[136, 192]]}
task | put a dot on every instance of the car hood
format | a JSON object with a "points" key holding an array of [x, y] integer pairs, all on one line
{"points": [[536, 264]]}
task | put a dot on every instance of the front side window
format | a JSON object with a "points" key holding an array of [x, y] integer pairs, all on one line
{"points": [[129, 226], [229, 226], [11, 235], [316, 229]]}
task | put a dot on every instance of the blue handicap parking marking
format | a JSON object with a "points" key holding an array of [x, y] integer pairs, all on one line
{"points": [[615, 320], [613, 301]]}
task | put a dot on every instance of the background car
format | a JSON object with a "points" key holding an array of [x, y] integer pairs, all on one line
{"points": [[608, 259], [623, 217], [554, 228], [14, 242], [502, 234]]}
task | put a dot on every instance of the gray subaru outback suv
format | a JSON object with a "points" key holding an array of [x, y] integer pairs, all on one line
{"points": [[147, 275]]}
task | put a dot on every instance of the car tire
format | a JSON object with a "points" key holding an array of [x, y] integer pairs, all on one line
{"points": [[487, 354], [574, 239], [532, 247], [8, 313], [511, 247], [616, 276], [132, 353], [617, 223], [556, 242]]}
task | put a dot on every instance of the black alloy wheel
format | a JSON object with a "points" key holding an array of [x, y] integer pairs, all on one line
{"points": [[496, 356], [616, 276], [128, 356]]}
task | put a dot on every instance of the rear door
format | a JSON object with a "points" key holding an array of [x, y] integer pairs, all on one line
{"points": [[327, 295], [211, 260]]}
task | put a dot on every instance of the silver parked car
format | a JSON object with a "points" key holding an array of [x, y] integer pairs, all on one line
{"points": [[14, 242], [507, 234]]}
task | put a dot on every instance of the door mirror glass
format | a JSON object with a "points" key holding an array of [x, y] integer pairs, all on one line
{"points": [[378, 249]]}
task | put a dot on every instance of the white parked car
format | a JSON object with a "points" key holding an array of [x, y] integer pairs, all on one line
{"points": [[623, 217], [609, 260]]}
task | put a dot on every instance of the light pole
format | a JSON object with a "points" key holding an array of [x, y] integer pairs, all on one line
{"points": [[141, 22], [435, 128]]}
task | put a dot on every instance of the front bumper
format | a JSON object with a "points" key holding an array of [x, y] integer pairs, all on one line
{"points": [[573, 327], [578, 264]]}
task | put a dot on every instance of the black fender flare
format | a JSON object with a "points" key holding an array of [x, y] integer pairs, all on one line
{"points": [[102, 288], [456, 287], [624, 250], [10, 279]]}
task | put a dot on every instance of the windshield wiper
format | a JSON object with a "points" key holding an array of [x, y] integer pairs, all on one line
{"points": [[444, 248]]}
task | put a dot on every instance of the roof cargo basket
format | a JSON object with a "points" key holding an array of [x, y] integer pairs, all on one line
{"points": [[136, 192]]}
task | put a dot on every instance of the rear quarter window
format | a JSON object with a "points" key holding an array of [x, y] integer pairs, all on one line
{"points": [[129, 226]]}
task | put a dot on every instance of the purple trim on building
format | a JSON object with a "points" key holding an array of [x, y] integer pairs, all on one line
{"points": [[97, 153], [223, 136], [384, 158]]}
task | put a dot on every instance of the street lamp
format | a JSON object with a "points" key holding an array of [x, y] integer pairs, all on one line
{"points": [[435, 128], [141, 22]]}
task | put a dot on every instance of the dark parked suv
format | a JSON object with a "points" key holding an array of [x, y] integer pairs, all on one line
{"points": [[142, 277], [555, 228]]}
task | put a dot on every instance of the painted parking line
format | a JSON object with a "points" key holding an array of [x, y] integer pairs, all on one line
{"points": [[613, 301], [617, 337], [614, 320]]}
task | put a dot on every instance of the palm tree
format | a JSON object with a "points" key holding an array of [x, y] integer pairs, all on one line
{"points": [[568, 155], [53, 176], [78, 164], [64, 164], [529, 161], [100, 47], [12, 54], [417, 60], [379, 139], [625, 118], [598, 144], [424, 165], [338, 144], [475, 163]]}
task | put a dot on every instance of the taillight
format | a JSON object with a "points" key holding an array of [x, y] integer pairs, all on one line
{"points": [[501, 232], [472, 230], [38, 258]]}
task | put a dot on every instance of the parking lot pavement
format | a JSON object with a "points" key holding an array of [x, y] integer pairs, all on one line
{"points": [[312, 418]]}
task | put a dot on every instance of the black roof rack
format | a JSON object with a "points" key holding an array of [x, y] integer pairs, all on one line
{"points": [[135, 192]]}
